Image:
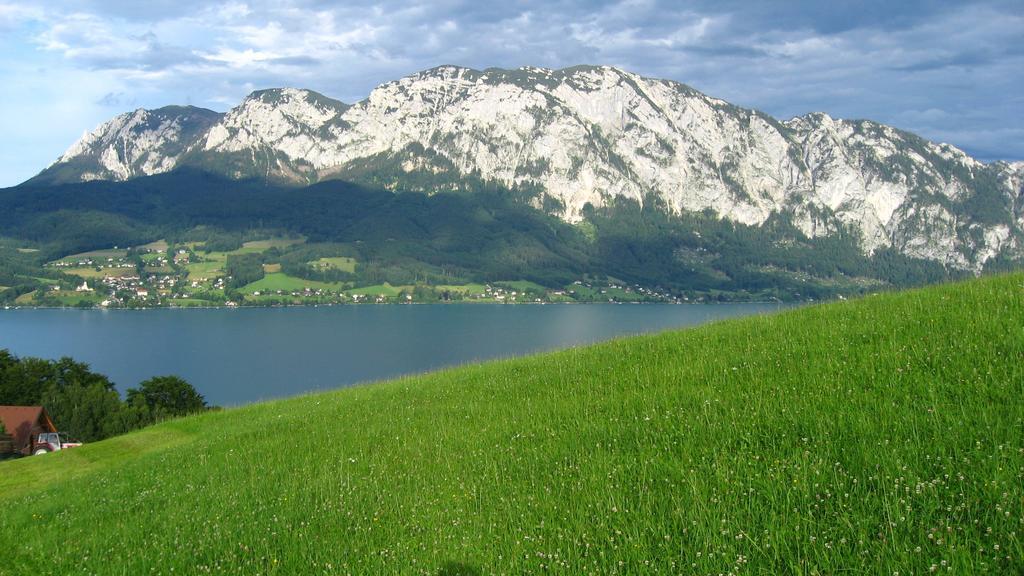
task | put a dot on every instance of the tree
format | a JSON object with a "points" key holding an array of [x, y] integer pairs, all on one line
{"points": [[244, 269], [90, 412], [167, 396], [26, 381], [81, 401]]}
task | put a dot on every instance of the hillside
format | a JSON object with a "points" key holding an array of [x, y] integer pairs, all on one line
{"points": [[426, 242], [589, 136], [882, 435]]}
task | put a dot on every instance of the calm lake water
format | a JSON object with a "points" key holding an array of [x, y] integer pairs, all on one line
{"points": [[236, 356]]}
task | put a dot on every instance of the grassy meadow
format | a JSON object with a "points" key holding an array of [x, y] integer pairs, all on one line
{"points": [[203, 271], [98, 255], [384, 289], [25, 298], [465, 289], [281, 281], [877, 436], [261, 245], [89, 273], [336, 263]]}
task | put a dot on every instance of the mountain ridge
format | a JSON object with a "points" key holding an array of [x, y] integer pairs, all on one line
{"points": [[588, 135]]}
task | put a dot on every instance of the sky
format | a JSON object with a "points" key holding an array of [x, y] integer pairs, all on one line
{"points": [[949, 71]]}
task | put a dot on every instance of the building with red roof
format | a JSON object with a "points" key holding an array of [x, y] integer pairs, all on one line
{"points": [[22, 423]]}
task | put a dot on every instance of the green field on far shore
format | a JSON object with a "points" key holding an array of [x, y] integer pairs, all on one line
{"points": [[96, 255], [92, 273], [337, 263], [281, 281], [199, 271], [465, 289], [384, 289]]}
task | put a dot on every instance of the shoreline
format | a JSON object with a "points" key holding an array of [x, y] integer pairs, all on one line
{"points": [[250, 307]]}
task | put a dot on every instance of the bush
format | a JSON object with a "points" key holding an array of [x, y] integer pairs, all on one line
{"points": [[167, 396]]}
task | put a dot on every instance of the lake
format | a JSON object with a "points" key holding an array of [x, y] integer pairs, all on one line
{"points": [[236, 356]]}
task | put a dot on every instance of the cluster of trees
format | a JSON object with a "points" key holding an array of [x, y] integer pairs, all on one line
{"points": [[85, 403], [244, 269]]}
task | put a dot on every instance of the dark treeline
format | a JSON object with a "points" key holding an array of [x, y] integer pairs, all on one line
{"points": [[86, 404], [243, 269]]}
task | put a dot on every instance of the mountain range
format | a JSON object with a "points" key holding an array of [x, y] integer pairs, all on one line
{"points": [[588, 135]]}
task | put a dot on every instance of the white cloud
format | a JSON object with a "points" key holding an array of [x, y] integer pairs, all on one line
{"points": [[12, 14]]}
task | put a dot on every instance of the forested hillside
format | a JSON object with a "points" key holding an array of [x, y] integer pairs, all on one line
{"points": [[483, 235]]}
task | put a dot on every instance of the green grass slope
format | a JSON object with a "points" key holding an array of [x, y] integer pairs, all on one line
{"points": [[878, 436], [280, 281]]}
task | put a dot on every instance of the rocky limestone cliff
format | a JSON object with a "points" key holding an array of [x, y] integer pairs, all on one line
{"points": [[139, 143]]}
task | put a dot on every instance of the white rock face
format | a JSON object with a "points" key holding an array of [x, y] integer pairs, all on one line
{"points": [[127, 141], [288, 121], [592, 135], [139, 143]]}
